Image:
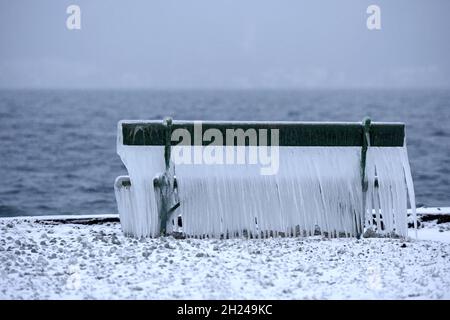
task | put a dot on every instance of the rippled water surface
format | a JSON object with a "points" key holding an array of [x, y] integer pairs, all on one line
{"points": [[58, 148]]}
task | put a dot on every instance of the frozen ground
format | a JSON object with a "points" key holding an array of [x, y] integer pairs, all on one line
{"points": [[65, 261]]}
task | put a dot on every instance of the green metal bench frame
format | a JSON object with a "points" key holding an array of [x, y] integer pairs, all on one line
{"points": [[292, 134]]}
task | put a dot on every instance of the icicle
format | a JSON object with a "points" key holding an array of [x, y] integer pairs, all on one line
{"points": [[315, 186], [143, 163], [390, 168], [410, 185], [125, 204]]}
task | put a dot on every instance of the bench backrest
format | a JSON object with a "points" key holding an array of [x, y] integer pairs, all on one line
{"points": [[301, 134]]}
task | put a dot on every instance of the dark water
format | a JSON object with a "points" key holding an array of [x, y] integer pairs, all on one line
{"points": [[57, 148]]}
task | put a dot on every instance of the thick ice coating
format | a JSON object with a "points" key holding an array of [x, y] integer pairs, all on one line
{"points": [[315, 188]]}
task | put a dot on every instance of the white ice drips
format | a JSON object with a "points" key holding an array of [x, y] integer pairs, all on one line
{"points": [[388, 202], [139, 214], [314, 187]]}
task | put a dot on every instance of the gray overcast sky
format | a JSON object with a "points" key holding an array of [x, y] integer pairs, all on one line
{"points": [[224, 44]]}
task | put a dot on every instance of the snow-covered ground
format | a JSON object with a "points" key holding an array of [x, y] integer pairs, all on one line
{"points": [[64, 261]]}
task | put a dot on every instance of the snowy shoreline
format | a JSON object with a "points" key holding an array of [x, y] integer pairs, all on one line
{"points": [[42, 258]]}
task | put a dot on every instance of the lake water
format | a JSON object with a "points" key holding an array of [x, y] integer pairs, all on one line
{"points": [[58, 148]]}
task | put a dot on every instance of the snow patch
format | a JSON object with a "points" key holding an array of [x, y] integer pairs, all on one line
{"points": [[73, 261]]}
